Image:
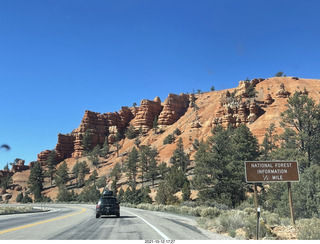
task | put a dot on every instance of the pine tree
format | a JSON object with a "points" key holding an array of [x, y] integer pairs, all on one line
{"points": [[83, 171], [80, 170], [155, 124], [186, 192], [153, 170], [94, 155], [115, 176], [269, 142], [51, 165], [93, 177], [6, 181], [87, 140], [105, 148], [180, 159], [36, 180], [130, 132], [19, 197], [219, 165], [120, 195], [62, 175], [148, 163], [131, 165], [303, 115]]}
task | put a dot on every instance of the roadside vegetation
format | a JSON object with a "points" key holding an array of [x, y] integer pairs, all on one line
{"points": [[11, 210]]}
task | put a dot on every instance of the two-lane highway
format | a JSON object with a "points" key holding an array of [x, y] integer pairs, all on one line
{"points": [[78, 222]]}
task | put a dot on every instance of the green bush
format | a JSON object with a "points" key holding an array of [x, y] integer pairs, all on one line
{"points": [[177, 132], [251, 228], [309, 229], [130, 132], [210, 212], [19, 197], [271, 218], [169, 139]]}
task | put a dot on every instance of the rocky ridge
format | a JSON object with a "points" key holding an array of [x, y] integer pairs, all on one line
{"points": [[193, 114]]}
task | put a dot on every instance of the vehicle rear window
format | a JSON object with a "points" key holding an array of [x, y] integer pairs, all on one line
{"points": [[108, 200]]}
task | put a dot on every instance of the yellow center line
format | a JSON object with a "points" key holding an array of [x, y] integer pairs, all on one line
{"points": [[43, 222]]}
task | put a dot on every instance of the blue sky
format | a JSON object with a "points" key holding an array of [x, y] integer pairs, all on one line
{"points": [[61, 57]]}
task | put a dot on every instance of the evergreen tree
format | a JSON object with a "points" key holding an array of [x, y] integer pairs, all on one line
{"points": [[155, 124], [148, 163], [26, 199], [115, 176], [89, 194], [101, 182], [304, 117], [186, 192], [269, 142], [153, 170], [145, 197], [51, 165], [220, 165], [87, 140], [6, 181], [173, 182], [105, 148], [279, 74], [118, 146], [93, 178], [163, 169], [251, 91], [130, 132], [36, 180], [62, 175], [64, 195], [131, 165], [6, 167], [120, 195], [83, 171], [165, 193], [180, 159], [94, 155], [19, 197], [75, 171], [80, 170]]}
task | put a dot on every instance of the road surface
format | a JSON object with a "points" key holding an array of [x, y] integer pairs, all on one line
{"points": [[78, 222]]}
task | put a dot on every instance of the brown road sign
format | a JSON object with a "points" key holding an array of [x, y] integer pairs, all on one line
{"points": [[274, 171]]}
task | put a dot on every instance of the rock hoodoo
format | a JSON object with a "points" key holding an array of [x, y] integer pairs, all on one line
{"points": [[174, 107], [282, 92], [148, 111], [237, 108]]}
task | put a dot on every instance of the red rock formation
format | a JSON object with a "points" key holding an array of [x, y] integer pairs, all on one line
{"points": [[43, 156], [174, 107], [64, 147], [97, 124], [282, 92], [19, 167], [101, 125], [148, 110], [234, 111], [269, 100]]}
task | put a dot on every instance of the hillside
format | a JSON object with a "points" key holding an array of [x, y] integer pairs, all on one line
{"points": [[193, 114]]}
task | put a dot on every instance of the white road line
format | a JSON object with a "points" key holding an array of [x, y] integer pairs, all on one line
{"points": [[152, 226]]}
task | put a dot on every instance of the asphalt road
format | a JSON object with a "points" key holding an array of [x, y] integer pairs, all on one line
{"points": [[78, 222]]}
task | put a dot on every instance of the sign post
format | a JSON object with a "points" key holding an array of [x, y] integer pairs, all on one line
{"points": [[272, 171], [258, 222]]}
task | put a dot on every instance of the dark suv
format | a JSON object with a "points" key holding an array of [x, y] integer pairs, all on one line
{"points": [[107, 205]]}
